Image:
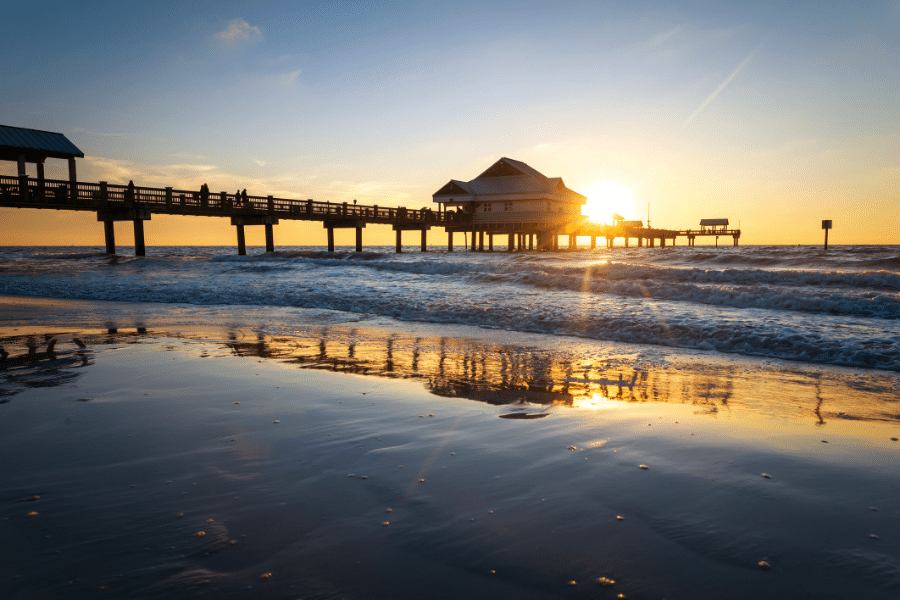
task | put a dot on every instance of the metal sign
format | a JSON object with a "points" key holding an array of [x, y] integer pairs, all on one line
{"points": [[826, 224]]}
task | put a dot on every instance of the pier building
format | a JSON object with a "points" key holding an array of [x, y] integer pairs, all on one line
{"points": [[514, 199]]}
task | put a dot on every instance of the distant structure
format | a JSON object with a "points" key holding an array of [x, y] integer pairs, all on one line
{"points": [[511, 198], [713, 224], [21, 145]]}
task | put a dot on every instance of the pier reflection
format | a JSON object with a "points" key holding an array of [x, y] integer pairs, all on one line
{"points": [[51, 359], [502, 375], [532, 379]]}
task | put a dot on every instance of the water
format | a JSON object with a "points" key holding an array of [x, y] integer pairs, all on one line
{"points": [[840, 307]]}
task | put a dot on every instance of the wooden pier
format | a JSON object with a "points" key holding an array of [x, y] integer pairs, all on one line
{"points": [[137, 204], [510, 185]]}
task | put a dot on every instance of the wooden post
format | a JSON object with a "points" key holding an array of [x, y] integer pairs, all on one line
{"points": [[826, 225], [424, 240], [23, 178], [510, 245], [73, 181], [593, 242], [330, 239], [242, 244], [662, 242], [531, 241], [481, 241], [640, 242], [490, 242], [626, 241], [399, 241], [359, 239], [449, 241], [270, 201], [110, 234], [168, 197], [650, 242], [270, 238], [40, 176], [139, 248]]}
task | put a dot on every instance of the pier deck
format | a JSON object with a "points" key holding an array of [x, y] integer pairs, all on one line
{"points": [[133, 203]]}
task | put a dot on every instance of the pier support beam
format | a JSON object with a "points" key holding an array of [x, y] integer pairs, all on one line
{"points": [[531, 241], [449, 241], [270, 238], [240, 221], [139, 248], [424, 240], [490, 242], [399, 244], [359, 239], [640, 242], [510, 243], [136, 214], [481, 241], [593, 242], [241, 241], [110, 235]]}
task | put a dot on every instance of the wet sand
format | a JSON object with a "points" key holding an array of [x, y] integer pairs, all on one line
{"points": [[363, 460]]}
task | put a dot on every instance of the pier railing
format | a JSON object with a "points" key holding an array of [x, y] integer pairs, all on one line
{"points": [[30, 192]]}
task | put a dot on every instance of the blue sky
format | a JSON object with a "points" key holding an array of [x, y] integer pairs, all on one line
{"points": [[744, 108]]}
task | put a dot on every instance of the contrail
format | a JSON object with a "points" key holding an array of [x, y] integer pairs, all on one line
{"points": [[722, 86]]}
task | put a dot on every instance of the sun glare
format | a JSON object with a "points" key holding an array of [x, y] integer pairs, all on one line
{"points": [[607, 198]]}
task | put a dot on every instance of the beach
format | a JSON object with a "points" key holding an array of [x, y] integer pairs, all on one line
{"points": [[176, 450]]}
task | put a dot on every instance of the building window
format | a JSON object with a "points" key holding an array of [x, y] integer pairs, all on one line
{"points": [[507, 206], [487, 207]]}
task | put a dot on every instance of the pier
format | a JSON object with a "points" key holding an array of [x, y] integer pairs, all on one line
{"points": [[530, 210]]}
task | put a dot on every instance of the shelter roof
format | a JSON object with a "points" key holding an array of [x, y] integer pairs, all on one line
{"points": [[713, 222], [510, 177], [34, 143]]}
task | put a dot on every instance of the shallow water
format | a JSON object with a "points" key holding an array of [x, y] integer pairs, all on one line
{"points": [[112, 433], [840, 307]]}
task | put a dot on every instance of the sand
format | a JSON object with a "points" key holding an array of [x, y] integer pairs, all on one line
{"points": [[376, 460]]}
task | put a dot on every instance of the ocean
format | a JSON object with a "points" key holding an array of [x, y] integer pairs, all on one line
{"points": [[836, 307], [641, 423]]}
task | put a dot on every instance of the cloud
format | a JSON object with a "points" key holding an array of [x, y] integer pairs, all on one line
{"points": [[238, 30], [289, 78], [259, 162]]}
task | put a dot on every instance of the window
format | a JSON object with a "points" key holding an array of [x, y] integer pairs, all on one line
{"points": [[487, 207], [507, 206]]}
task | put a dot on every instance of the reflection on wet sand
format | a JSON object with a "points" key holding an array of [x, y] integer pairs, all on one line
{"points": [[491, 373]]}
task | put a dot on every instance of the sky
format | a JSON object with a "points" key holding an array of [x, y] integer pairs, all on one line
{"points": [[775, 115]]}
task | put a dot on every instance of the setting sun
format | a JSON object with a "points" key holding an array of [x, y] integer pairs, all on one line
{"points": [[607, 198]]}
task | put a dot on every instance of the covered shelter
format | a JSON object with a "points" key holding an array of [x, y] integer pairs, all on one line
{"points": [[35, 146], [713, 224]]}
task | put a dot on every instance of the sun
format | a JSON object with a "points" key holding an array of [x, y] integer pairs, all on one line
{"points": [[607, 198]]}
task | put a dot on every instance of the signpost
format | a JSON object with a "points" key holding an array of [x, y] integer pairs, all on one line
{"points": [[826, 225]]}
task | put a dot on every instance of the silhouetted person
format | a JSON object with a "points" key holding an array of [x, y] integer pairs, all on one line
{"points": [[204, 195], [244, 198]]}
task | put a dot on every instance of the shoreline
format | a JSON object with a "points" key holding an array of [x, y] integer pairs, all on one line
{"points": [[533, 497]]}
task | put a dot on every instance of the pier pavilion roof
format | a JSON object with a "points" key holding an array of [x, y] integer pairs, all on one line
{"points": [[507, 179], [34, 144]]}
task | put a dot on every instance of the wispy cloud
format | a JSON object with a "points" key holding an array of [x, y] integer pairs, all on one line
{"points": [[259, 162], [721, 87], [288, 78], [238, 30]]}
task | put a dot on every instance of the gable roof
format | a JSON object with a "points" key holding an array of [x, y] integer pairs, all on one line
{"points": [[34, 143], [508, 177]]}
